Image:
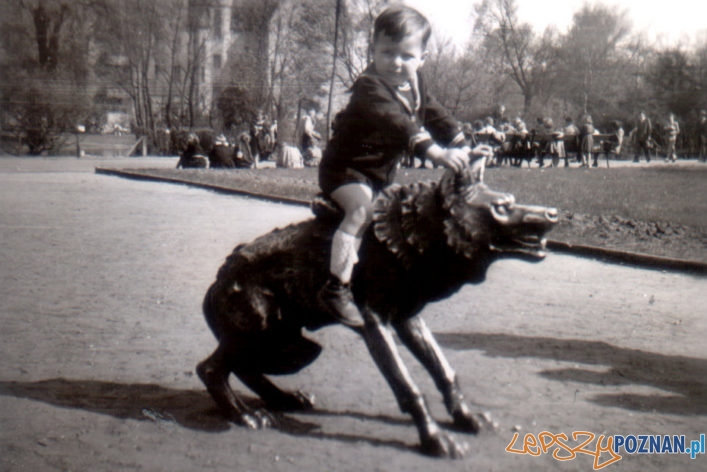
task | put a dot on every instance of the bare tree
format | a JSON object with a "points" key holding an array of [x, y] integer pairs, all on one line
{"points": [[514, 48], [302, 34], [460, 82], [44, 69], [48, 21], [593, 61], [356, 37]]}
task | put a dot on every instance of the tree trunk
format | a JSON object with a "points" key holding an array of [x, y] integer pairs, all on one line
{"points": [[333, 69], [47, 35], [527, 102]]}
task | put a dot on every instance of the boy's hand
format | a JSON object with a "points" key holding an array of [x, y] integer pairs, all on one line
{"points": [[481, 150], [451, 158]]}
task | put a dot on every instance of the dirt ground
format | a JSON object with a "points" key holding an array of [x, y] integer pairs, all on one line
{"points": [[101, 281]]}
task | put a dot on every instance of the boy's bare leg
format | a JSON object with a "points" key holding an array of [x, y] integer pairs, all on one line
{"points": [[356, 201]]}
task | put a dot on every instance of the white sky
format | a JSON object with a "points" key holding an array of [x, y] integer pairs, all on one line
{"points": [[667, 22]]}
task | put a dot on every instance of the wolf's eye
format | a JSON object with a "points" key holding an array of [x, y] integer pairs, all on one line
{"points": [[502, 209]]}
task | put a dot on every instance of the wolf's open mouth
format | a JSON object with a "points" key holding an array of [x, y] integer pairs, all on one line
{"points": [[531, 245]]}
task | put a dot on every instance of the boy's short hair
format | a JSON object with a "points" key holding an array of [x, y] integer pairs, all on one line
{"points": [[400, 21]]}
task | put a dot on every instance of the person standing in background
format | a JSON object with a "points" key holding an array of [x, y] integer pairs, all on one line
{"points": [[643, 137], [586, 140], [309, 135], [672, 130], [702, 135]]}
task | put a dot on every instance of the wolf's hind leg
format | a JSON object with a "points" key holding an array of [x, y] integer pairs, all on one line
{"points": [[214, 372], [273, 396], [279, 352]]}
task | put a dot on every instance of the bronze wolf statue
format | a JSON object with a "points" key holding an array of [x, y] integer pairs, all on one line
{"points": [[426, 241]]}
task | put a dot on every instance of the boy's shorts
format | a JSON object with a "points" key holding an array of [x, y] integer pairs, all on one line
{"points": [[331, 179]]}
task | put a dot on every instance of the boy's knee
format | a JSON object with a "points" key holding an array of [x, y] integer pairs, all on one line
{"points": [[357, 220], [362, 215]]}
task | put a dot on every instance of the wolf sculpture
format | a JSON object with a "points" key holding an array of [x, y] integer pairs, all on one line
{"points": [[426, 241]]}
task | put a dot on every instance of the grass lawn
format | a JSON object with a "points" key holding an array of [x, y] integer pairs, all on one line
{"points": [[659, 210], [670, 194]]}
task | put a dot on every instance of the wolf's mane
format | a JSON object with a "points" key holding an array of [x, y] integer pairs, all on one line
{"points": [[410, 219]]}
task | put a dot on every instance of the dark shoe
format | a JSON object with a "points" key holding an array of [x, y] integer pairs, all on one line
{"points": [[338, 300]]}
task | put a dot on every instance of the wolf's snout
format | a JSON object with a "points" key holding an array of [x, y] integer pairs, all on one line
{"points": [[552, 215], [539, 215]]}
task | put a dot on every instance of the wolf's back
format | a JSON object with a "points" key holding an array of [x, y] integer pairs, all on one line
{"points": [[279, 270]]}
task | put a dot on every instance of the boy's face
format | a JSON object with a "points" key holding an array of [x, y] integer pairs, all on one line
{"points": [[398, 61]]}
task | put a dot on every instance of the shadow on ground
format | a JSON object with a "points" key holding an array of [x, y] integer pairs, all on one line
{"points": [[191, 409], [685, 377]]}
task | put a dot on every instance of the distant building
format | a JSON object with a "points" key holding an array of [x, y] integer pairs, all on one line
{"points": [[219, 35], [231, 30]]}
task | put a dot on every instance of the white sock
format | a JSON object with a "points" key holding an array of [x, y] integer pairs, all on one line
{"points": [[344, 255]]}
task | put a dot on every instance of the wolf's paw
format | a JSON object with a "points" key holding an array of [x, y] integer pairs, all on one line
{"points": [[296, 401]]}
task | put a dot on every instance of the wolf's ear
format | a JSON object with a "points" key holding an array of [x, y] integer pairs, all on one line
{"points": [[473, 173], [476, 168], [455, 183]]}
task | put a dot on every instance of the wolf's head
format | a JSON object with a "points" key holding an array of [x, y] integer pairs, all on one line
{"points": [[463, 212], [481, 218]]}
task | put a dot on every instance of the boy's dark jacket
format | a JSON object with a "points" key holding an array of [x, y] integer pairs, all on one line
{"points": [[377, 128]]}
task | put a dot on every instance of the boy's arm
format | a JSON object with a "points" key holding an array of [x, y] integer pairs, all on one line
{"points": [[373, 102], [442, 126]]}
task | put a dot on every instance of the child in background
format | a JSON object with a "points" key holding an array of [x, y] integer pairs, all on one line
{"points": [[586, 140], [389, 114]]}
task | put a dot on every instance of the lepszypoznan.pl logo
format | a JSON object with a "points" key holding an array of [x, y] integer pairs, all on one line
{"points": [[605, 449]]}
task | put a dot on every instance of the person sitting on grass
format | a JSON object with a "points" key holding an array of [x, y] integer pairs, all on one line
{"points": [[388, 116]]}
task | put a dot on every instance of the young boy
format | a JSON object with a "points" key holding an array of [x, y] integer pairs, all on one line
{"points": [[389, 114]]}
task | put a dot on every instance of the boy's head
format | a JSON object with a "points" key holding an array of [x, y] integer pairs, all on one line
{"points": [[400, 21], [400, 37]]}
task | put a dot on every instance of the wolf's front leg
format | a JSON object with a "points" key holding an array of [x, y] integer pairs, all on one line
{"points": [[433, 440], [418, 338]]}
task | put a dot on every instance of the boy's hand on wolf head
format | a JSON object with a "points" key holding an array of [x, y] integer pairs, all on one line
{"points": [[451, 158], [481, 150]]}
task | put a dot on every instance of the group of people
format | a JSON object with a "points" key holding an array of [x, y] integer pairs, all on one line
{"points": [[514, 141], [646, 143], [202, 148]]}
